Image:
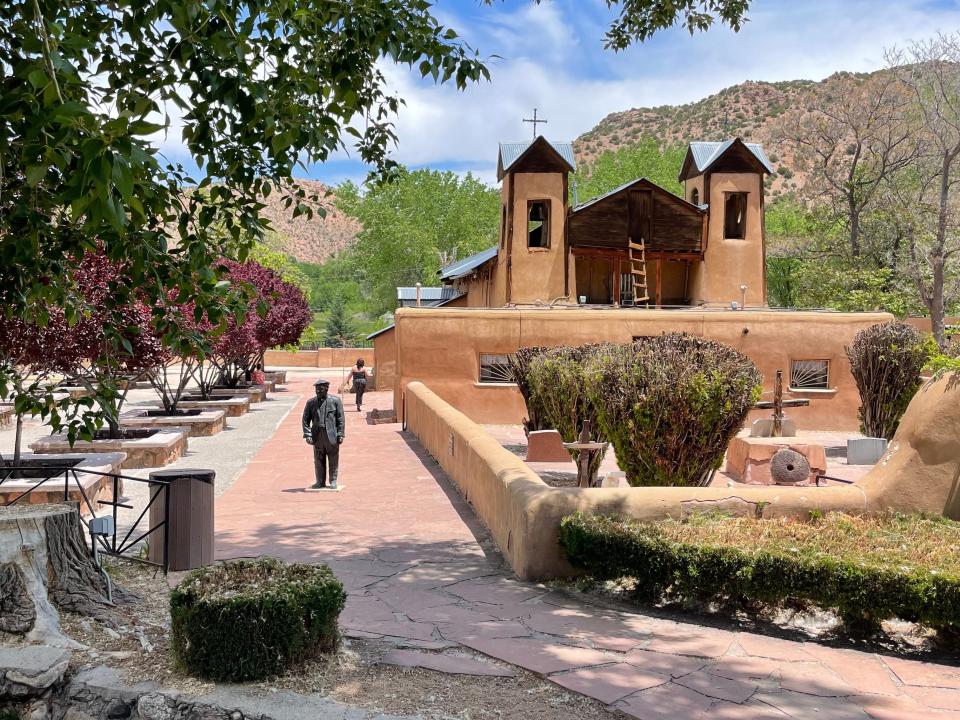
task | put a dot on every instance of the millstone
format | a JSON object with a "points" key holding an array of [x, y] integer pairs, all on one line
{"points": [[788, 467]]}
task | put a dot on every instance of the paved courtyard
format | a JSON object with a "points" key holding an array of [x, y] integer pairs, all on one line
{"points": [[420, 570]]}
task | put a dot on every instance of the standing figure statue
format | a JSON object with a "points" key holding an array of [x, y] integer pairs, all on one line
{"points": [[323, 427]]}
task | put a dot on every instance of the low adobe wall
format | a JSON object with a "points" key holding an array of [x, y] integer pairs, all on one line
{"points": [[322, 358], [919, 473], [442, 348], [523, 513]]}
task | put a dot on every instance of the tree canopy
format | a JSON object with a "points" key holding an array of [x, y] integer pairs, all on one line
{"points": [[414, 225]]}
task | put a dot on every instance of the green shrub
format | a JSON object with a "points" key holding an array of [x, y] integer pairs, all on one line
{"points": [[671, 404], [520, 369], [866, 569], [558, 391], [247, 620], [886, 361]]}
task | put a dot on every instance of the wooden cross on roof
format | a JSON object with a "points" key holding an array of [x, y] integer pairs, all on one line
{"points": [[536, 121]]}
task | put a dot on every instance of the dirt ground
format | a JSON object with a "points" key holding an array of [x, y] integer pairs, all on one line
{"points": [[140, 648]]}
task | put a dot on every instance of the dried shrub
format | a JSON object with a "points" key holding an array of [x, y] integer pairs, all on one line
{"points": [[867, 569], [247, 620], [886, 361], [671, 404], [558, 390], [519, 368]]}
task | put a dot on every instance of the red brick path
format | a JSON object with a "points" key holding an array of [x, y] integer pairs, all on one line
{"points": [[406, 546]]}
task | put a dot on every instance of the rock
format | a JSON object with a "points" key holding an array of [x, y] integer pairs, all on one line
{"points": [[154, 707], [236, 715], [75, 714], [40, 710], [29, 672], [117, 710]]}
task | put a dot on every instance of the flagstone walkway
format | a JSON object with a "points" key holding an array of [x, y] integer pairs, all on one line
{"points": [[420, 570]]}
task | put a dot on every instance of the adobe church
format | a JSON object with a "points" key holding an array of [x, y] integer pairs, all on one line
{"points": [[638, 245]]}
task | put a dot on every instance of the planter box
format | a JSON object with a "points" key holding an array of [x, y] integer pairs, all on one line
{"points": [[154, 450], [279, 377], [256, 393], [202, 422], [96, 486], [232, 406], [75, 391]]}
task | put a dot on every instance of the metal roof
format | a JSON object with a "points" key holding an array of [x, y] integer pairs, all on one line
{"points": [[433, 294], [458, 269], [372, 335], [512, 151], [706, 153]]}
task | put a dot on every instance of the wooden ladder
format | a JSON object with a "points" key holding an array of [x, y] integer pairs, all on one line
{"points": [[637, 253]]}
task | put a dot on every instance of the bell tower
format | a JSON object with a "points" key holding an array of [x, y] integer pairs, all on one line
{"points": [[728, 178], [533, 260]]}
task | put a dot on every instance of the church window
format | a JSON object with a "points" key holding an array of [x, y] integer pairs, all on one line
{"points": [[735, 216], [810, 375], [695, 196], [495, 368], [538, 224]]}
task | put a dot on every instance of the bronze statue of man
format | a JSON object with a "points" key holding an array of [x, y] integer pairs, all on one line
{"points": [[323, 427]]}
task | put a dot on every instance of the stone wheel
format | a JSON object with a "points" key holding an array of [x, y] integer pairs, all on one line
{"points": [[788, 467]]}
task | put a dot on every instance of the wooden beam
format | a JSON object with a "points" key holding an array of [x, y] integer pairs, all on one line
{"points": [[616, 281], [659, 284]]}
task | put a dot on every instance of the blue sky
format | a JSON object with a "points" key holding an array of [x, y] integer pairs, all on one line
{"points": [[551, 57]]}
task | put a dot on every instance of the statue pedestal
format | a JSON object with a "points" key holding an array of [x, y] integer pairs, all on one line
{"points": [[748, 458]]}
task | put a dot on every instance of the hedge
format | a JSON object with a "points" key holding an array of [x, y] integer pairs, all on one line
{"points": [[251, 619], [670, 405], [865, 569]]}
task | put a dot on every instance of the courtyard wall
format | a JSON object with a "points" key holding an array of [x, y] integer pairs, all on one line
{"points": [[321, 358], [442, 348]]}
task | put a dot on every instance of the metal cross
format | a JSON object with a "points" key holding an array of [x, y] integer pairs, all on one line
{"points": [[536, 121]]}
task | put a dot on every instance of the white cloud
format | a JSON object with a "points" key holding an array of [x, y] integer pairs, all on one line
{"points": [[575, 83]]}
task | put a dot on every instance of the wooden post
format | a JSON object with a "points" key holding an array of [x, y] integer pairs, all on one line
{"points": [[659, 284], [778, 405], [616, 282]]}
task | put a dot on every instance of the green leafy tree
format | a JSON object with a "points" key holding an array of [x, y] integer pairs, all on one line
{"points": [[339, 331], [414, 225], [644, 159], [253, 87]]}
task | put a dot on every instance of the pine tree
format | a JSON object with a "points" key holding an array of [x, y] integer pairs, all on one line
{"points": [[339, 332]]}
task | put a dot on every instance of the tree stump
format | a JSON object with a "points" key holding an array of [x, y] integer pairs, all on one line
{"points": [[45, 564]]}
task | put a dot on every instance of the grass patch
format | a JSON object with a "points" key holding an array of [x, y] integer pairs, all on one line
{"points": [[865, 569]]}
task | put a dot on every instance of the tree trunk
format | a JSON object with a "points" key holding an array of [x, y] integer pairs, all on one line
{"points": [[45, 565], [854, 228], [18, 440]]}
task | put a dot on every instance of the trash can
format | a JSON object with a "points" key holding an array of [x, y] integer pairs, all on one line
{"points": [[189, 518]]}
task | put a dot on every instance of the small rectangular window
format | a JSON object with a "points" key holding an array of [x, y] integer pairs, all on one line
{"points": [[810, 375], [735, 216], [503, 226], [538, 224], [495, 368]]}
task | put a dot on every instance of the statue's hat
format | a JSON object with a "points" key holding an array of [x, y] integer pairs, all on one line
{"points": [[322, 383]]}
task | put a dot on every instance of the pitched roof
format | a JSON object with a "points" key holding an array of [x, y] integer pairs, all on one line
{"points": [[638, 181], [460, 268], [428, 294], [702, 155], [511, 152]]}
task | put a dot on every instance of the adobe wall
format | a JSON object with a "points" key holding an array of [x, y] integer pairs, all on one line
{"points": [[442, 347], [385, 348], [523, 513], [728, 264], [919, 473], [536, 273], [322, 358]]}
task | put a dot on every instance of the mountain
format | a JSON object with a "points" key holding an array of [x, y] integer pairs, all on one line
{"points": [[750, 110], [314, 239]]}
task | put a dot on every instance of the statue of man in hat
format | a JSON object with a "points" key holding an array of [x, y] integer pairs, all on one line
{"points": [[323, 427]]}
